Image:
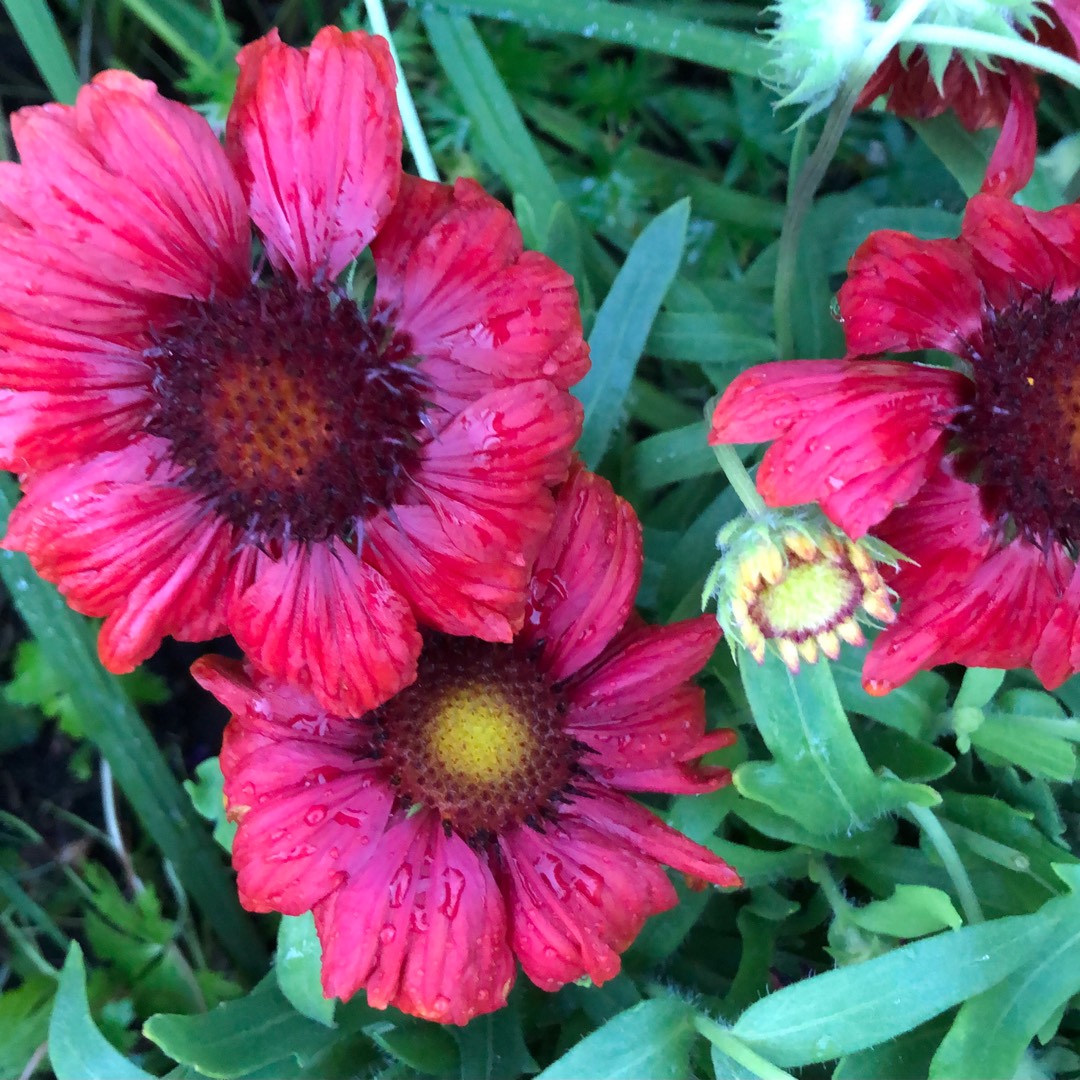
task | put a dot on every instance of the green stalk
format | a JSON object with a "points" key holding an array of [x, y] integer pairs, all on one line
{"points": [[68, 642], [410, 118], [950, 858], [893, 31]]}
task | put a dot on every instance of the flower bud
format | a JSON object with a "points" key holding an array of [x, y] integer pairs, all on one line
{"points": [[814, 44], [793, 580]]}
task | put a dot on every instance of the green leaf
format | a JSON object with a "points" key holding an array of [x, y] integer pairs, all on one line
{"points": [[113, 725], [240, 1036], [651, 1041], [819, 776], [498, 123], [978, 687], [1010, 738], [622, 327], [423, 1046], [912, 911], [898, 1059], [965, 154], [672, 456], [207, 792], [492, 1046], [856, 1007], [298, 968], [993, 1030], [708, 338], [24, 1021], [77, 1049], [912, 708], [34, 23], [640, 28]]}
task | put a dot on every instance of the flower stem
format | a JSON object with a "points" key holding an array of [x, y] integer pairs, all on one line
{"points": [[738, 1051], [805, 186], [950, 858], [740, 480], [410, 118], [1024, 52]]}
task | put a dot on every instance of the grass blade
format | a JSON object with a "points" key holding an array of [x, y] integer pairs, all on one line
{"points": [[34, 23]]}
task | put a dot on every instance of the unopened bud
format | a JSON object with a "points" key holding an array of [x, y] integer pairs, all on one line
{"points": [[792, 580]]}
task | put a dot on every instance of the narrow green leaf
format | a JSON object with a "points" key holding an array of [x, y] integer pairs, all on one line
{"points": [[513, 153], [992, 1031], [298, 968], [240, 1036], [709, 338], [856, 1007], [1038, 753], [651, 1041], [672, 456], [622, 327], [77, 1050], [819, 776], [898, 1059], [493, 1046], [34, 23], [965, 154], [29, 908], [643, 28], [68, 642]]}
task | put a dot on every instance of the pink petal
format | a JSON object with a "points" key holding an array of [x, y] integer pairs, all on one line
{"points": [[1013, 160], [315, 137], [321, 618]]}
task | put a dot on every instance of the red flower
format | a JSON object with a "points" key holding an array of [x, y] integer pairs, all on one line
{"points": [[972, 472], [981, 97], [481, 813], [208, 449]]}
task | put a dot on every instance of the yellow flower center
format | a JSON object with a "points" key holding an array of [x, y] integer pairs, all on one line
{"points": [[477, 735], [814, 596]]}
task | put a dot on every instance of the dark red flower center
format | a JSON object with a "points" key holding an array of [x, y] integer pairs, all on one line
{"points": [[479, 738], [1020, 437], [290, 411]]}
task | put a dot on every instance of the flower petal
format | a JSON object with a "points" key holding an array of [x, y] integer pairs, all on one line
{"points": [[321, 618], [904, 294], [992, 618], [1013, 159], [1057, 655], [585, 578], [422, 927], [480, 311], [134, 188], [120, 540], [315, 137], [858, 437], [577, 900], [463, 559]]}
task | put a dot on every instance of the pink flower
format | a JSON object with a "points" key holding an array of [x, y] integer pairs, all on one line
{"points": [[208, 449], [481, 814]]}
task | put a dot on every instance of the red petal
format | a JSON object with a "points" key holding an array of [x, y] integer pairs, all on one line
{"points": [[321, 618], [993, 618], [481, 313], [904, 294], [1057, 655], [1013, 159], [586, 576], [315, 137], [422, 927], [134, 188], [44, 430], [1016, 249], [857, 437], [643, 832], [120, 540], [463, 559], [48, 359], [641, 667]]}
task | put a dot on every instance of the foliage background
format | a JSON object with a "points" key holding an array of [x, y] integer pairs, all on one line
{"points": [[913, 900]]}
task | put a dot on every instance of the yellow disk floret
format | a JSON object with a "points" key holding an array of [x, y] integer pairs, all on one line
{"points": [[809, 599], [476, 734]]}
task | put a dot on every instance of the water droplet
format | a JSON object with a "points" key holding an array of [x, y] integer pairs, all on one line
{"points": [[419, 921], [590, 884], [453, 887], [441, 1004], [315, 815], [399, 885], [553, 874], [351, 817], [387, 934]]}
